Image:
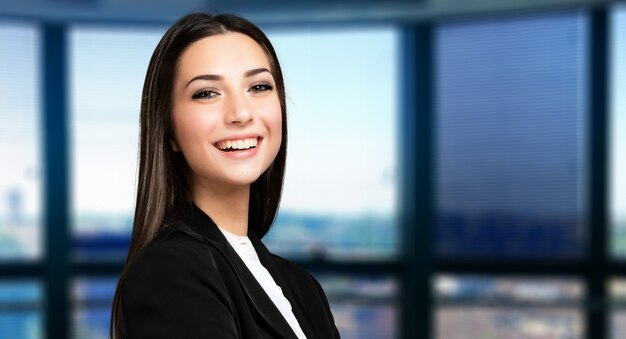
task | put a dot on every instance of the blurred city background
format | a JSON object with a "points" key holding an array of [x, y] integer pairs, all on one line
{"points": [[456, 170]]}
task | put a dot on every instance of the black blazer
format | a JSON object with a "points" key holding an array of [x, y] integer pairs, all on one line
{"points": [[190, 283]]}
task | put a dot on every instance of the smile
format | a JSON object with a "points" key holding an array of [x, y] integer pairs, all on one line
{"points": [[237, 145]]}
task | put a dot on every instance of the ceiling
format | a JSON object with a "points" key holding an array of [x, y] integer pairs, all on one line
{"points": [[270, 11]]}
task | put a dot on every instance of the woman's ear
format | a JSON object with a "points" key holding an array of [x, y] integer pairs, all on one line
{"points": [[175, 146]]}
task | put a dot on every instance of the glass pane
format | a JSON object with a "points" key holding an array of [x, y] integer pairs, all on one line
{"points": [[617, 293], [20, 174], [107, 72], [340, 186], [91, 311], [618, 324], [364, 308], [617, 290], [20, 310], [618, 131], [511, 159], [502, 308]]}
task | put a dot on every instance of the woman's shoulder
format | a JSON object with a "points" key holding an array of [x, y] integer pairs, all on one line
{"points": [[171, 288], [175, 254]]}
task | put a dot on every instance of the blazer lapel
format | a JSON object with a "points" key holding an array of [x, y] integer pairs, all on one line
{"points": [[288, 289], [199, 225]]}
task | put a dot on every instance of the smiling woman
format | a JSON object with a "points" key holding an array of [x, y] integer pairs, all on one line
{"points": [[212, 160]]}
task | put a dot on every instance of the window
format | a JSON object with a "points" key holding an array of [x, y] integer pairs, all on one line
{"points": [[20, 309], [484, 307], [617, 179], [340, 187], [363, 307], [91, 313], [21, 173], [617, 130], [511, 160], [340, 207], [107, 70]]}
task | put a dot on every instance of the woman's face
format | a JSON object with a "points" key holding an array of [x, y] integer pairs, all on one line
{"points": [[226, 112]]}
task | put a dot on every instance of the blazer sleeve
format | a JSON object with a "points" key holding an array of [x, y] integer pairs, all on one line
{"points": [[169, 292]]}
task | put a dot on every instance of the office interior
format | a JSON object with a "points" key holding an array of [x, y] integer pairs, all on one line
{"points": [[455, 170]]}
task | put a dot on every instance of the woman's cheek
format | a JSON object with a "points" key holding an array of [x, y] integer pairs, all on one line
{"points": [[274, 118], [193, 128]]}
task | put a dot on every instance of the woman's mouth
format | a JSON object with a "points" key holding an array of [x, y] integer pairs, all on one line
{"points": [[238, 144]]}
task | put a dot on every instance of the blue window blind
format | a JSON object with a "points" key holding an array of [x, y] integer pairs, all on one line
{"points": [[20, 173], [511, 161]]}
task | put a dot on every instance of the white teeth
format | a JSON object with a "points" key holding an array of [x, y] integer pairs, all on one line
{"points": [[238, 144]]}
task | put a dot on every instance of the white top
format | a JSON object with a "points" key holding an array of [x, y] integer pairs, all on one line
{"points": [[247, 253]]}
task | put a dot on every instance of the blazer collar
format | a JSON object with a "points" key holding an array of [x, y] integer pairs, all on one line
{"points": [[199, 225]]}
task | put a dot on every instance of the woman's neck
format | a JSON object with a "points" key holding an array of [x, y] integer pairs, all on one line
{"points": [[227, 205]]}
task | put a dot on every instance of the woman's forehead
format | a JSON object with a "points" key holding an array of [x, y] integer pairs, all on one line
{"points": [[228, 54]]}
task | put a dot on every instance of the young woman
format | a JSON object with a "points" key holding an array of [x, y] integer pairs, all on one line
{"points": [[212, 160]]}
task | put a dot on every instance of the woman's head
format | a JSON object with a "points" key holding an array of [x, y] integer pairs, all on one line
{"points": [[165, 174], [188, 80]]}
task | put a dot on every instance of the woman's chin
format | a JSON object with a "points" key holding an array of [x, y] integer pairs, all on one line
{"points": [[240, 179]]}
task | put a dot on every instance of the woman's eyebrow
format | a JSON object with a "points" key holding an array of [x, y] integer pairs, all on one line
{"points": [[216, 77], [205, 77], [256, 71]]}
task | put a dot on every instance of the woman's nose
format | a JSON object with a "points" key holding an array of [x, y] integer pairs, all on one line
{"points": [[240, 111]]}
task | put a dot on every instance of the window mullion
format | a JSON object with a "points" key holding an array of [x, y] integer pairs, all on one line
{"points": [[415, 174], [596, 276], [56, 184]]}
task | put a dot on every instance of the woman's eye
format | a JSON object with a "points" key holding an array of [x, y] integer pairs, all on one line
{"points": [[261, 88], [205, 94]]}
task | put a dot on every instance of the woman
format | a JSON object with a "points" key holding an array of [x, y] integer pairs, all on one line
{"points": [[212, 160]]}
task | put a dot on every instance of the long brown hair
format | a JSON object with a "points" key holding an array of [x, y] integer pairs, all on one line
{"points": [[161, 184]]}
